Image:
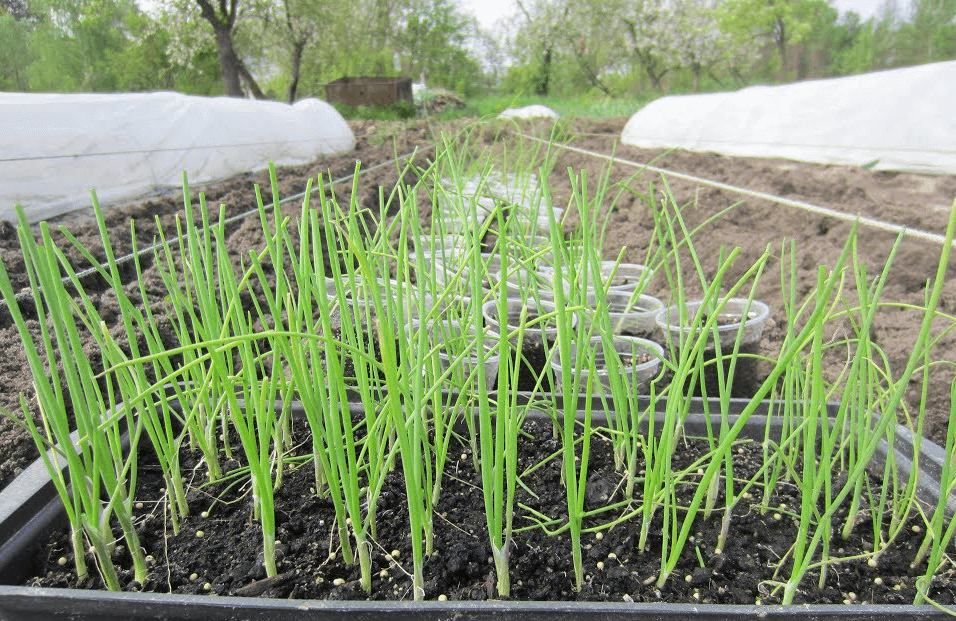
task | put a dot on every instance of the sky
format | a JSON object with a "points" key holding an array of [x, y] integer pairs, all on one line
{"points": [[488, 11]]}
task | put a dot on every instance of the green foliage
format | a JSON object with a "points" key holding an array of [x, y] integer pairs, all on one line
{"points": [[613, 50], [930, 34], [15, 55], [397, 111]]}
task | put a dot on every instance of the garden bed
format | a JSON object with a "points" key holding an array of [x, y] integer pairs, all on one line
{"points": [[205, 560], [909, 199], [299, 304]]}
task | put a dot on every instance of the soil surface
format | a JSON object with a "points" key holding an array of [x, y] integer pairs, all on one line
{"points": [[917, 201], [204, 557]]}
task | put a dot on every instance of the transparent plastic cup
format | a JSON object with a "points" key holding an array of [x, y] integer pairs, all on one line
{"points": [[752, 314], [629, 314], [627, 276], [536, 333], [640, 362], [452, 341]]}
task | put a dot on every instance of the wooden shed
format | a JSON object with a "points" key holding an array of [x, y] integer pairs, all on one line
{"points": [[369, 91]]}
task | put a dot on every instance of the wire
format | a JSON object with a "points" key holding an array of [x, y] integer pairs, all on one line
{"points": [[32, 158], [28, 294], [826, 211]]}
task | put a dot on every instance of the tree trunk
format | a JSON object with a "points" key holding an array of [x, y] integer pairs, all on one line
{"points": [[579, 52], [297, 52], [782, 48], [228, 64], [231, 68], [544, 82], [250, 81]]}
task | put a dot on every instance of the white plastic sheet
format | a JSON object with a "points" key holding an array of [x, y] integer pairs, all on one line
{"points": [[901, 119], [529, 112], [55, 147]]}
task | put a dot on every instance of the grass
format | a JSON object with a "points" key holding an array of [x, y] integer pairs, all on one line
{"points": [[590, 106], [346, 303]]}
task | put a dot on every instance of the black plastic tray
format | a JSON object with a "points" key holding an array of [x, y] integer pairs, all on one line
{"points": [[30, 508]]}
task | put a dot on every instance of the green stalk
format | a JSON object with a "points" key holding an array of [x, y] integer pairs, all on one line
{"points": [[788, 351], [896, 396], [98, 465]]}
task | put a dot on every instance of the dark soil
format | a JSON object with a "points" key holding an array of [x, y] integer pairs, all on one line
{"points": [[311, 564]]}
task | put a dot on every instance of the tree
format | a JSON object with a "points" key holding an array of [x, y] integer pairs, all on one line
{"points": [[585, 37], [74, 41], [15, 8], [930, 33], [222, 17], [301, 18], [695, 38], [645, 37], [16, 27], [782, 22], [430, 42]]}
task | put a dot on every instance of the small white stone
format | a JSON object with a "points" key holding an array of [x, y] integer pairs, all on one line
{"points": [[612, 555], [395, 553], [688, 578], [383, 573], [443, 598], [878, 581], [200, 534], [61, 561], [600, 564], [138, 505], [338, 581], [193, 577], [204, 514], [599, 536], [207, 587]]}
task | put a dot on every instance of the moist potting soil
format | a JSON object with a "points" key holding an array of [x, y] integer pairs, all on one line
{"points": [[226, 559]]}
